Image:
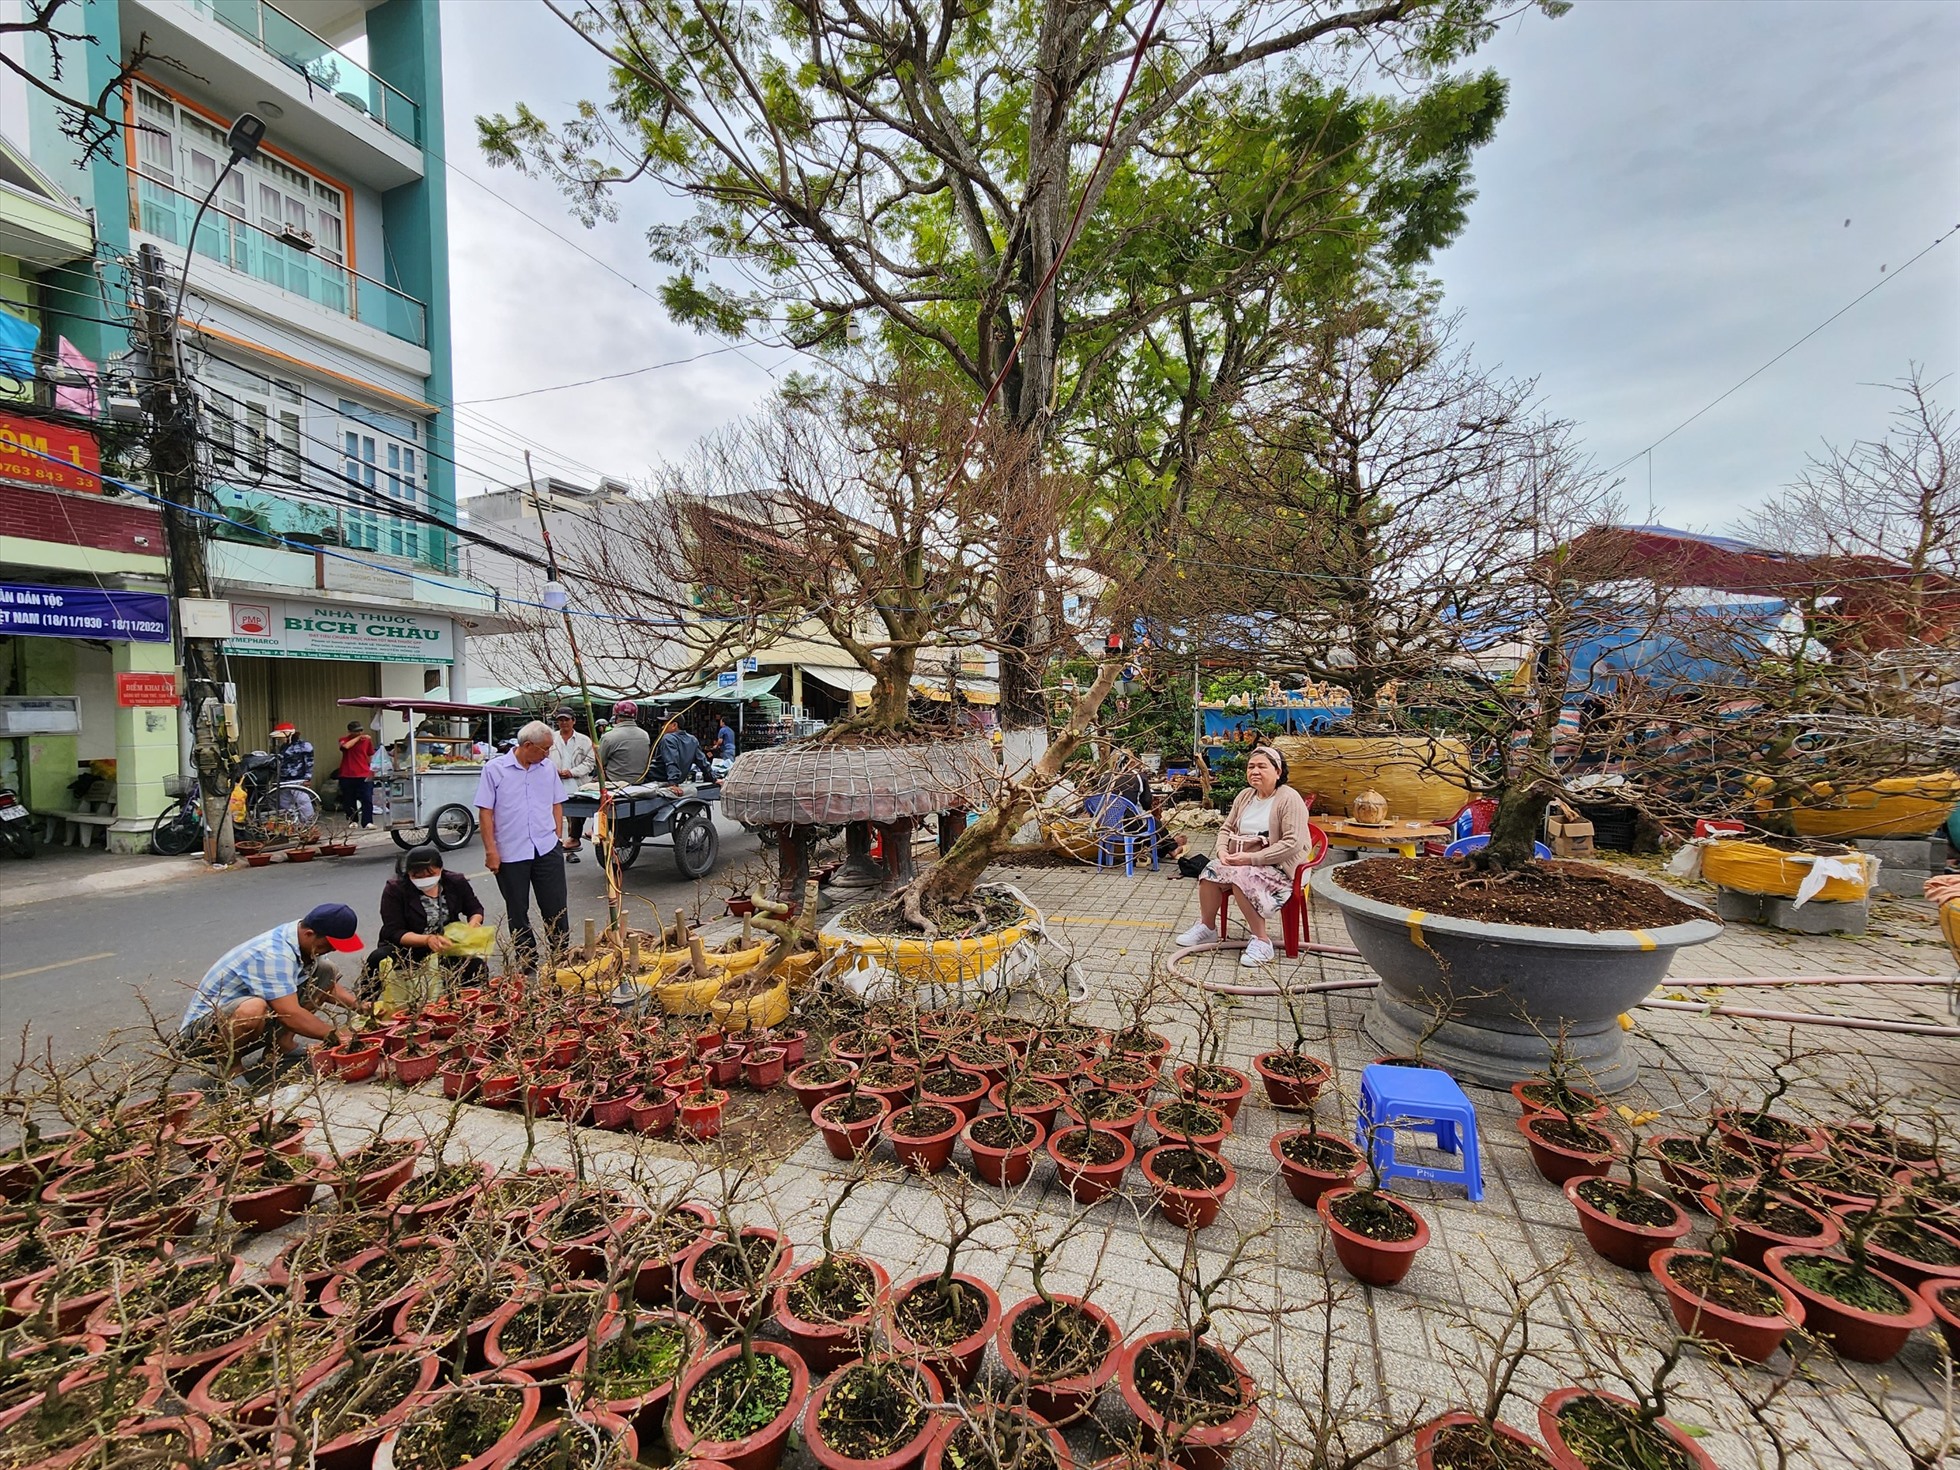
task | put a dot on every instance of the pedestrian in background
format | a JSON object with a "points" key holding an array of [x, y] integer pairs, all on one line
{"points": [[520, 807], [356, 775], [626, 747], [575, 759], [295, 753]]}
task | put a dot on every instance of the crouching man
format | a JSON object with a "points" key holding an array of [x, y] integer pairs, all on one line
{"points": [[261, 992]]}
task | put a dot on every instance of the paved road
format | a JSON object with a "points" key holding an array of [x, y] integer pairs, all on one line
{"points": [[75, 965]]}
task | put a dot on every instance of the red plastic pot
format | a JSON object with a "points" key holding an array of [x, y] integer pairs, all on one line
{"points": [[646, 1412], [724, 1065], [1942, 1299], [1750, 1242], [723, 1309], [1564, 1459], [762, 1450], [1689, 1180], [1227, 1100], [1060, 1401], [1194, 1447], [336, 1299], [901, 1458], [356, 1063], [848, 1140], [1593, 1106], [460, 1082], [355, 1449], [968, 1099], [1088, 1183], [409, 1071], [654, 1276], [549, 1366], [1103, 1075], [762, 1067], [1308, 1185], [810, 1091], [1150, 1049], [825, 1345], [1864, 1337], [701, 1113], [1125, 1124], [1372, 1262], [926, 1153], [263, 1408], [652, 1112], [1004, 1166], [957, 1362], [1211, 1141], [614, 1110], [1626, 1245], [431, 1402], [619, 1434], [439, 1345], [1558, 1163], [268, 1209], [1749, 1336], [1048, 1101], [377, 1185], [1735, 1132], [1427, 1436], [1285, 1091], [1192, 1209], [936, 1457], [500, 1088], [584, 1254], [794, 1043]]}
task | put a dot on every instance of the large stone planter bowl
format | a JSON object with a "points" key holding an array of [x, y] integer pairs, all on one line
{"points": [[1508, 988]]}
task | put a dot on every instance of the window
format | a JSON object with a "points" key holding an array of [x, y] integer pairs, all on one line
{"points": [[253, 423], [382, 455]]}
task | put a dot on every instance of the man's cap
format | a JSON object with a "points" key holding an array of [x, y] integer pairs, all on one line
{"points": [[352, 726], [565, 714], [284, 728], [337, 924]]}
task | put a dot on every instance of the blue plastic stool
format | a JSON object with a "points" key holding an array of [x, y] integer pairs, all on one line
{"points": [[1418, 1098]]}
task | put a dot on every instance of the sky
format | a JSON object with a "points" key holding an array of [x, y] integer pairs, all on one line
{"points": [[1680, 190]]}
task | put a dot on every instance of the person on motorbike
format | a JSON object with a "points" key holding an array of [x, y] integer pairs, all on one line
{"points": [[679, 755], [624, 749]]}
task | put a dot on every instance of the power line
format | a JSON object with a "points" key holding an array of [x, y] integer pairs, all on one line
{"points": [[603, 377], [1881, 283]]}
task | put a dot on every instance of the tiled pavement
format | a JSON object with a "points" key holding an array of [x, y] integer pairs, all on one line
{"points": [[1329, 1352]]}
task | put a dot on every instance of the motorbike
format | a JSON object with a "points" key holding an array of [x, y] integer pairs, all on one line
{"points": [[16, 824]]}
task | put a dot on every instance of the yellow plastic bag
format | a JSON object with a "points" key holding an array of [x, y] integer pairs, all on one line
{"points": [[471, 941], [692, 997], [769, 1008], [738, 961], [1755, 867], [404, 987]]}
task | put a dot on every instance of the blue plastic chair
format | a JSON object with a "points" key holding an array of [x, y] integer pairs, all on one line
{"points": [[1114, 816], [1470, 844], [1418, 1098]]}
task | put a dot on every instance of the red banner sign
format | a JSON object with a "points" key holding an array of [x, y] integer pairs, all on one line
{"points": [[35, 452], [135, 691]]}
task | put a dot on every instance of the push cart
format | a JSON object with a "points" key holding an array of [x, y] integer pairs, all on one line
{"points": [[432, 797], [682, 816]]}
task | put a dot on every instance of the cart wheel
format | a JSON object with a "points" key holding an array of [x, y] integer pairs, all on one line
{"points": [[407, 837], [629, 852], [696, 845], [451, 827]]}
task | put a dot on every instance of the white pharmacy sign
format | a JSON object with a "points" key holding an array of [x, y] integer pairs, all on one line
{"points": [[286, 628]]}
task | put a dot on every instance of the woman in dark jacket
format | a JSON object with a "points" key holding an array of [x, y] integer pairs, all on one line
{"points": [[416, 904]]}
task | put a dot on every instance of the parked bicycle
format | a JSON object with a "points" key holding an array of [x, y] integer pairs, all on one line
{"points": [[275, 811]]}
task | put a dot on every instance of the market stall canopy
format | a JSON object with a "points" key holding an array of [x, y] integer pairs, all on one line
{"points": [[506, 697], [844, 681], [816, 784], [737, 693], [427, 704]]}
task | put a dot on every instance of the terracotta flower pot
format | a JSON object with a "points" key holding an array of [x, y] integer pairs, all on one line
{"points": [[762, 1067], [722, 1307], [966, 1095], [279, 1204], [700, 1115], [1433, 1436], [762, 1450], [1039, 1101], [652, 1112], [929, 1152], [657, 1271], [1626, 1244], [900, 1457], [1307, 1183], [1088, 1182], [1194, 1447], [647, 1411], [430, 1405], [1942, 1299], [955, 1362], [1689, 1180], [1124, 1123], [848, 1140], [1531, 1096], [1226, 1098], [812, 1082], [1751, 1241], [1284, 1090], [1372, 1262], [1556, 1161], [1211, 1139], [1191, 1207], [1061, 1400], [1004, 1166], [551, 1362], [1563, 1456], [1862, 1336], [1791, 1139], [826, 1344], [1749, 1335]]}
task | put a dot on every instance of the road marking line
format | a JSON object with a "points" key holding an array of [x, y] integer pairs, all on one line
{"points": [[107, 954]]}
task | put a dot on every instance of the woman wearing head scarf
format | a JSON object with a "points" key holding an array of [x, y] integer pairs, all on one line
{"points": [[417, 904], [1263, 839]]}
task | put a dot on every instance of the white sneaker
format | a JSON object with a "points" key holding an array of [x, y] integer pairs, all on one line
{"points": [[1257, 952], [1197, 934]]}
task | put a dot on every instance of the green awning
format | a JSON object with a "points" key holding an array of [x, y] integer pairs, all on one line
{"points": [[713, 692]]}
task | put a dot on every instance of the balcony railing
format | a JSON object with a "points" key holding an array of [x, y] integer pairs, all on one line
{"points": [[162, 211], [278, 34]]}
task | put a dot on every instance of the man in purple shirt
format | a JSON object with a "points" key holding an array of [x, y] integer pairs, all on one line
{"points": [[519, 805]]}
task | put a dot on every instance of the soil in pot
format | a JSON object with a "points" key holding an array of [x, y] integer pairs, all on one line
{"points": [[1292, 1079], [955, 1088], [987, 1439], [1092, 1161], [990, 1059], [1913, 1251], [871, 1411], [1543, 894], [1184, 1392], [1371, 1213], [730, 1272], [62, 1421], [1836, 1183], [1311, 1163], [1223, 1088], [208, 1332], [575, 1443], [461, 1426], [1727, 1302], [1760, 1220], [1602, 1434], [631, 1367], [1190, 1183], [429, 1197], [1191, 1122], [1558, 1099], [923, 1136], [1562, 1149], [1461, 1442], [548, 1329], [1125, 1074], [359, 1402], [1688, 1164], [731, 1402], [1624, 1224], [1766, 1135], [1003, 1146]]}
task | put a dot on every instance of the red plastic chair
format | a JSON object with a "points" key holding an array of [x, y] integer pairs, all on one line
{"points": [[1293, 918]]}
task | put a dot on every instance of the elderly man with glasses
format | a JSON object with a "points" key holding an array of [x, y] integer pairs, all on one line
{"points": [[520, 807]]}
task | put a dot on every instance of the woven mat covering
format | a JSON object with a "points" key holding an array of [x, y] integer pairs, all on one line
{"points": [[823, 785]]}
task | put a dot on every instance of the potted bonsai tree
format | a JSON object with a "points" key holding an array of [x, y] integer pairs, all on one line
{"points": [[828, 1308], [1062, 1350]]}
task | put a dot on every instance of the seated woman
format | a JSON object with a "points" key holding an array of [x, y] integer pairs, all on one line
{"points": [[1263, 839], [1132, 783], [416, 905]]}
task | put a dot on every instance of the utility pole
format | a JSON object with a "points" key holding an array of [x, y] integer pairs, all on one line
{"points": [[172, 409]]}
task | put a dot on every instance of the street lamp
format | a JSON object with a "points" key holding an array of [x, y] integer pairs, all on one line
{"points": [[244, 138]]}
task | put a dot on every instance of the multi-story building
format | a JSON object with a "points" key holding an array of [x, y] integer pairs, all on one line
{"points": [[315, 319]]}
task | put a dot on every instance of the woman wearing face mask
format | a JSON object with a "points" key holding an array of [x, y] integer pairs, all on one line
{"points": [[416, 905], [1262, 840]]}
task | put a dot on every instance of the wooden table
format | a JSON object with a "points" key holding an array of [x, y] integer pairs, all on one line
{"points": [[1402, 836]]}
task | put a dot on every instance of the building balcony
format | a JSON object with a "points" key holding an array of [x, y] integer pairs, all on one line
{"points": [[165, 213], [238, 55]]}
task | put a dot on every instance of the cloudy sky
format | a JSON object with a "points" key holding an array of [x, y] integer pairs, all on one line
{"points": [[1681, 190]]}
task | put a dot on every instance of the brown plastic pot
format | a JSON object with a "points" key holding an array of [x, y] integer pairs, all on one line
{"points": [[355, 1449], [1749, 1336], [646, 1412], [923, 1153], [762, 1450], [968, 1099], [1049, 1100], [723, 1309], [1735, 1133], [1689, 1180], [1942, 1299], [1088, 1183], [1211, 1141], [1593, 1105], [496, 1454], [1862, 1336], [439, 1344], [430, 1213], [848, 1140], [1372, 1262], [1308, 1185], [956, 1363], [903, 1457], [1227, 1100], [1284, 1090], [551, 1365], [620, 1435], [1626, 1245], [1751, 1242], [811, 1090], [654, 1277], [1190, 1209], [825, 1345], [1555, 1161], [376, 1185], [1194, 1447], [1004, 1166], [1427, 1436], [1061, 1401], [1125, 1124], [1564, 1459]]}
